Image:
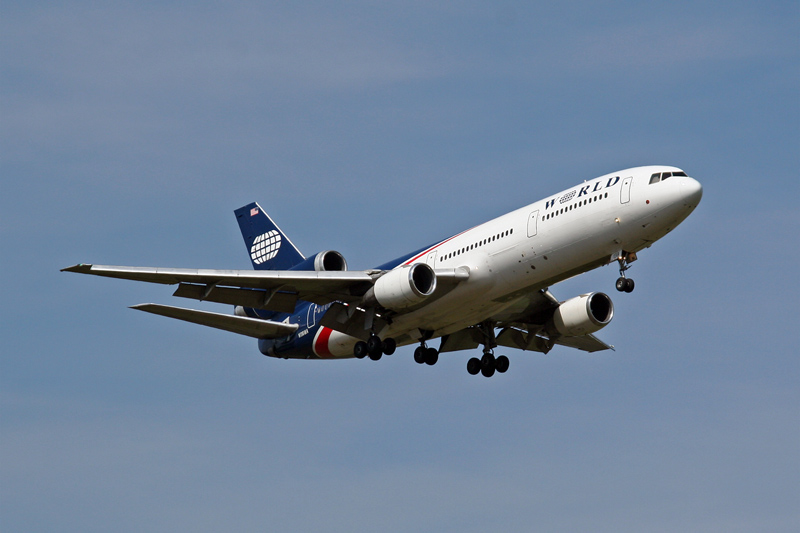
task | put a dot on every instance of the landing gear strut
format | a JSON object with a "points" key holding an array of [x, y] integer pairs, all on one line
{"points": [[488, 364], [625, 284]]}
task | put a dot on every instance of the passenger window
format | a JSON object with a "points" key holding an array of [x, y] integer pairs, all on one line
{"points": [[655, 178]]}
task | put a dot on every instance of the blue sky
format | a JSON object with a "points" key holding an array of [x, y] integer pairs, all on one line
{"points": [[130, 132]]}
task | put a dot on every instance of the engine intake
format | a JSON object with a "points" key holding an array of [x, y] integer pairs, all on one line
{"points": [[583, 314], [327, 261], [404, 287]]}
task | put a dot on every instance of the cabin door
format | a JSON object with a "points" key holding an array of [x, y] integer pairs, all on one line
{"points": [[625, 192], [532, 221]]}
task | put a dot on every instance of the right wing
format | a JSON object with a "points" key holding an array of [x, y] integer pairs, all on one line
{"points": [[274, 290]]}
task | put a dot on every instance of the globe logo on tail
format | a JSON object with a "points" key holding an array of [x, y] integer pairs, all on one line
{"points": [[265, 247]]}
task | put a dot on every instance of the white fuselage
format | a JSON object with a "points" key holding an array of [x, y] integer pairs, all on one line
{"points": [[541, 244]]}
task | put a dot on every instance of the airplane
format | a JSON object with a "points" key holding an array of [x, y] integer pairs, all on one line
{"points": [[486, 286]]}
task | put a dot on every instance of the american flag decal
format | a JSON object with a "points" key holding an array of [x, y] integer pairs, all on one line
{"points": [[254, 212]]}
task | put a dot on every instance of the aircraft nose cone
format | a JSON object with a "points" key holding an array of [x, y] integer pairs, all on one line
{"points": [[692, 191]]}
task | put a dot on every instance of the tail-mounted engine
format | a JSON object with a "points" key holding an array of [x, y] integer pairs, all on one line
{"points": [[403, 287], [583, 314], [327, 261]]}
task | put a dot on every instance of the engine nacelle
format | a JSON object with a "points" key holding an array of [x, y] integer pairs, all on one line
{"points": [[327, 261], [583, 314], [404, 287]]}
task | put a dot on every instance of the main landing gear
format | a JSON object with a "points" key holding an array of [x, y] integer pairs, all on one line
{"points": [[488, 364], [425, 355], [374, 347], [625, 284]]}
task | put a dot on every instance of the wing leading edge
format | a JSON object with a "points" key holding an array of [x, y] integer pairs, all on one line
{"points": [[318, 287]]}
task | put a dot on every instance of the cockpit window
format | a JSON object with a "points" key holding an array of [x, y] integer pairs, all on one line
{"points": [[661, 176]]}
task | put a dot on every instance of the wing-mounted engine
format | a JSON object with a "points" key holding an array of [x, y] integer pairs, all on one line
{"points": [[327, 261], [403, 287], [582, 315]]}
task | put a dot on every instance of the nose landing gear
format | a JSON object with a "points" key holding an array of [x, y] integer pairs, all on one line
{"points": [[625, 284]]}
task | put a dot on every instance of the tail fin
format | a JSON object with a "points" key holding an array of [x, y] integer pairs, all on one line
{"points": [[268, 247]]}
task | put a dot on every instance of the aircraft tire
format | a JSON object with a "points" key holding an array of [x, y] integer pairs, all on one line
{"points": [[488, 365], [501, 364], [419, 355], [375, 356], [360, 350], [389, 346], [629, 285], [431, 356], [374, 347], [621, 284], [474, 366]]}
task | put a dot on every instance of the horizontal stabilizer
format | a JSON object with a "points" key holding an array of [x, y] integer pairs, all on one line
{"points": [[252, 327]]}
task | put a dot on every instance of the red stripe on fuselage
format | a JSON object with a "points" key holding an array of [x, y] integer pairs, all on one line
{"points": [[432, 248], [321, 343]]}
